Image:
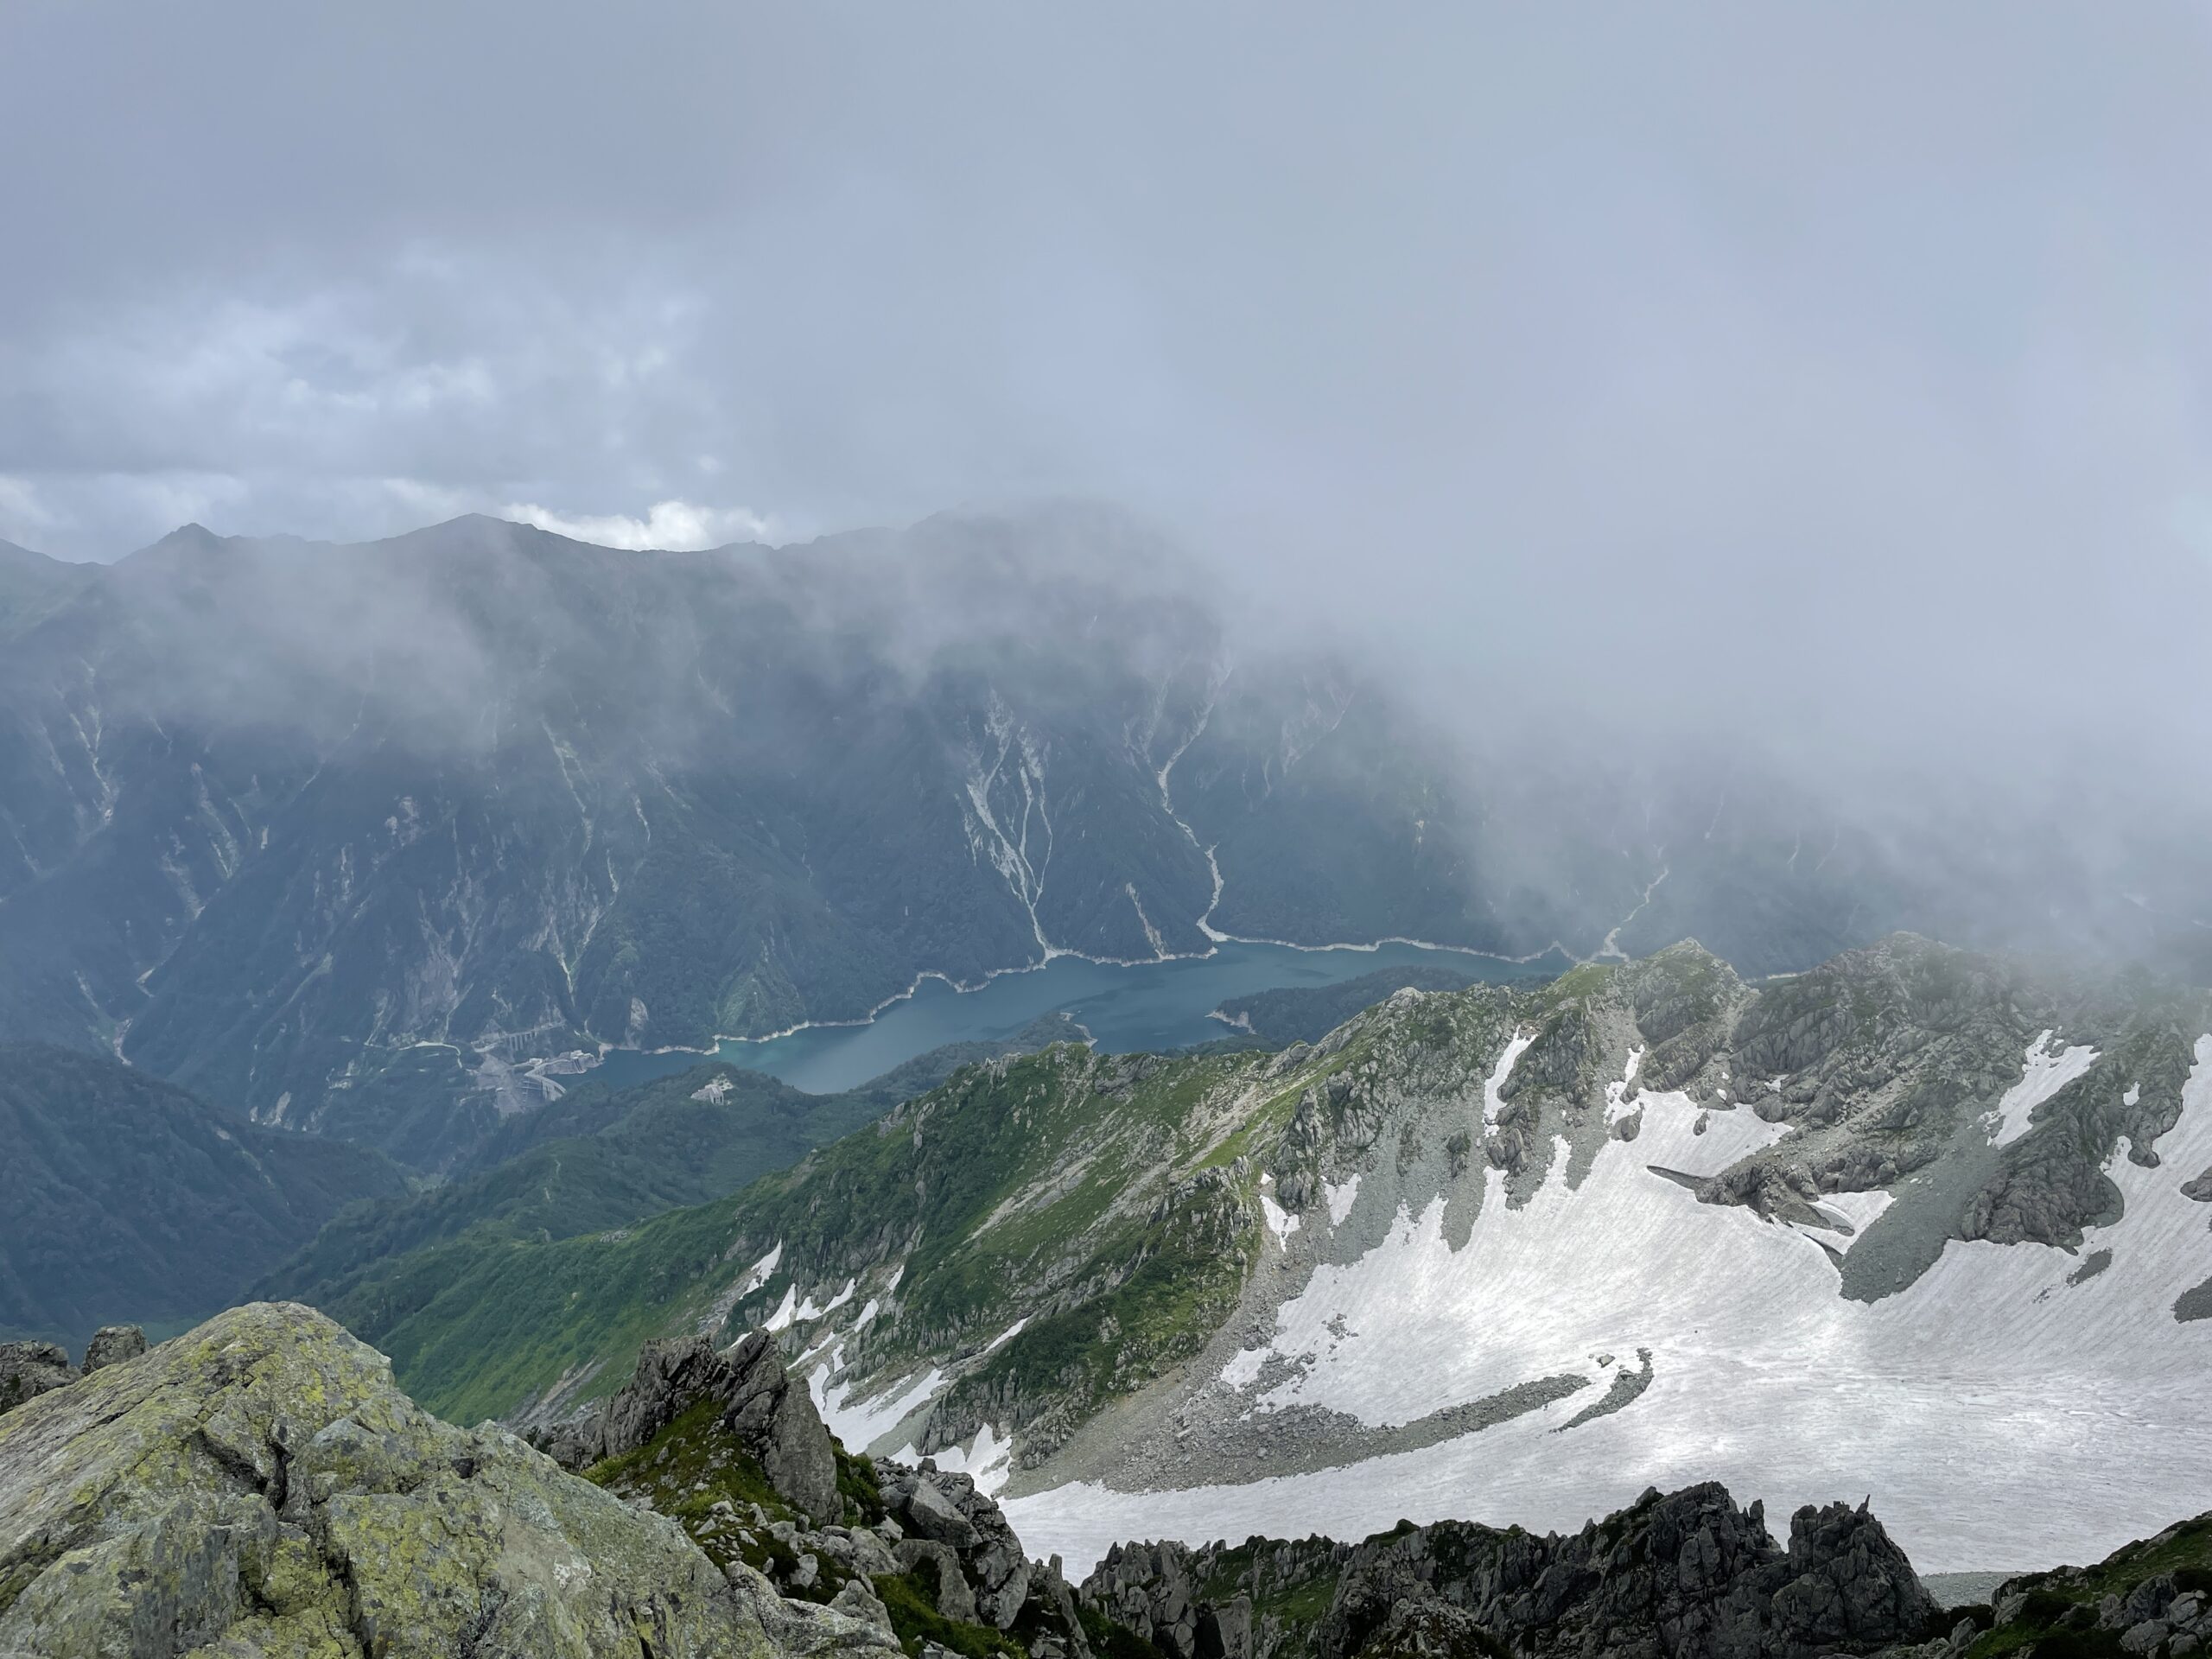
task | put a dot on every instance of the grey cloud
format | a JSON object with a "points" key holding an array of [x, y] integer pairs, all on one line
{"points": [[1835, 377]]}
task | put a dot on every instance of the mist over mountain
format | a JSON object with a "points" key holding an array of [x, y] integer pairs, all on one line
{"points": [[365, 838], [1158, 773]]}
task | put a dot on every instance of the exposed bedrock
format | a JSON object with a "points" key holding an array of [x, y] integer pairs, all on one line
{"points": [[1688, 1576], [771, 1416]]}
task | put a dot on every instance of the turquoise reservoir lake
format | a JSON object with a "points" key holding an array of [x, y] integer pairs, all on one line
{"points": [[1127, 1008]]}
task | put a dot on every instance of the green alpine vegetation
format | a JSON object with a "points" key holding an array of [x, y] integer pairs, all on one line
{"points": [[598, 1159], [2153, 1596], [1042, 1244], [1112, 1202], [478, 1325]]}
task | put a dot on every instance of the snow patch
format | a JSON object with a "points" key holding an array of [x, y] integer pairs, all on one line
{"points": [[760, 1272], [861, 1423], [1617, 1106], [1244, 1369], [1492, 1104], [786, 1310], [1341, 1199], [1861, 1209], [1989, 1374], [2044, 1074]]}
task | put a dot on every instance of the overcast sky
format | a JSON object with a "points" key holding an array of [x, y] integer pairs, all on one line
{"points": [[1783, 345]]}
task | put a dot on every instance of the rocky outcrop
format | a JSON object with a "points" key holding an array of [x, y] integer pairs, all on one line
{"points": [[912, 1551], [1685, 1576], [260, 1486], [111, 1344], [30, 1369], [2151, 1598], [771, 1417], [947, 1521], [775, 1419], [1155, 1589]]}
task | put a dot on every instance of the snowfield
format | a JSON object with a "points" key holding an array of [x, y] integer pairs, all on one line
{"points": [[2000, 1415]]}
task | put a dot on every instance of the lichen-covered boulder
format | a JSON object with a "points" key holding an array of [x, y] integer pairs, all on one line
{"points": [[260, 1487]]}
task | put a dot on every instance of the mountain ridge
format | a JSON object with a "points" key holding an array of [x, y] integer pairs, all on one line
{"points": [[1205, 1278], [369, 842]]}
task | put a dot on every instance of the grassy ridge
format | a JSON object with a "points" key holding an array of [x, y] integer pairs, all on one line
{"points": [[597, 1160], [1109, 1202], [477, 1322]]}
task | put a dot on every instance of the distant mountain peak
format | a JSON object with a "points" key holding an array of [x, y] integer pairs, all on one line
{"points": [[186, 541]]}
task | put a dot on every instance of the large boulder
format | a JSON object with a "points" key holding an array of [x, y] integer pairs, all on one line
{"points": [[30, 1369], [260, 1486], [774, 1419], [111, 1344], [947, 1511]]}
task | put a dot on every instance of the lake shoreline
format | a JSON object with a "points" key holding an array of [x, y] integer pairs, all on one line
{"points": [[1159, 1003]]}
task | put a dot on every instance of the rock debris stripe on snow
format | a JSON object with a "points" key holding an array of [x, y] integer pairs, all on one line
{"points": [[1761, 1376]]}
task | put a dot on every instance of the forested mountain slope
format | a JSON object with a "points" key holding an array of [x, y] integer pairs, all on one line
{"points": [[383, 841], [123, 1198]]}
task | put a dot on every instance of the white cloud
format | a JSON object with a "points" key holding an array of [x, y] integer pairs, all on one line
{"points": [[22, 514], [672, 526]]}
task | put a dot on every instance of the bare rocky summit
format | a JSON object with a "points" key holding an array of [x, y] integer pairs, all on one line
{"points": [[260, 1487]]}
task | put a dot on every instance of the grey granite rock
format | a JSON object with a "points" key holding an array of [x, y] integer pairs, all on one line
{"points": [[30, 1369], [857, 1600], [260, 1487], [1687, 1576], [773, 1419], [111, 1344]]}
